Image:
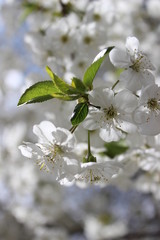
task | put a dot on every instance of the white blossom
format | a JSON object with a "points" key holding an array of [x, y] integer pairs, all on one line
{"points": [[136, 65], [147, 114], [150, 161], [113, 115], [53, 152], [96, 173]]}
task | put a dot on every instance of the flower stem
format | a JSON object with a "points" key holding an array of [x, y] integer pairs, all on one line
{"points": [[90, 157], [115, 84], [73, 128]]}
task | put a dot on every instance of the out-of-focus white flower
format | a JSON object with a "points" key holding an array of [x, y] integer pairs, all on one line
{"points": [[53, 152], [102, 12], [153, 7], [147, 115], [58, 39], [97, 228], [50, 234], [113, 117], [150, 160], [89, 37], [137, 65]]}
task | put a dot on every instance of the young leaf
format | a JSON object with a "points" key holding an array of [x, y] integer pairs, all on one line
{"points": [[66, 97], [78, 84], [38, 92], [80, 113], [50, 73], [91, 71], [61, 85]]}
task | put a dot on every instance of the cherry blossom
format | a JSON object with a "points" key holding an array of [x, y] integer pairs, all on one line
{"points": [[147, 114], [136, 65], [97, 173], [112, 116], [53, 152]]}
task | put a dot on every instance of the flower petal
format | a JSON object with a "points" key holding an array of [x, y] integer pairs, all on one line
{"points": [[132, 79], [93, 120], [149, 92], [44, 131], [151, 127], [147, 78], [132, 45], [126, 101], [145, 63], [101, 97], [64, 137], [110, 134], [119, 58], [30, 150]]}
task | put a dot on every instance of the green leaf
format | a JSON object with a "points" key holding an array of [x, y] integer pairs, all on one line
{"points": [[50, 73], [39, 99], [78, 84], [61, 85], [38, 92], [115, 148], [66, 97], [91, 71], [80, 113]]}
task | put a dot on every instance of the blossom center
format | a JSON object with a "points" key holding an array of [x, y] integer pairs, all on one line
{"points": [[57, 150], [153, 104], [87, 40], [64, 38], [110, 112], [96, 17], [137, 64]]}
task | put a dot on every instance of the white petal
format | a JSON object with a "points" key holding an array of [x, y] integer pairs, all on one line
{"points": [[132, 45], [150, 91], [30, 150], [111, 134], [101, 97], [128, 127], [44, 131], [93, 120], [147, 78], [132, 79], [151, 127], [119, 58], [126, 101], [145, 63], [62, 135], [140, 115]]}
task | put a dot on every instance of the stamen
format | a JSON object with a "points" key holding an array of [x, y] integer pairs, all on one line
{"points": [[153, 104], [137, 64], [110, 112]]}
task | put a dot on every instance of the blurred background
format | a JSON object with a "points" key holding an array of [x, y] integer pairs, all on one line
{"points": [[67, 35]]}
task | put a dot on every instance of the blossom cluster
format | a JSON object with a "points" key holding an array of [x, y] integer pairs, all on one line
{"points": [[115, 112], [66, 35]]}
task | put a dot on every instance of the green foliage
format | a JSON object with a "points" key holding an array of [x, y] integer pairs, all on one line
{"points": [[115, 148], [62, 86], [58, 88], [80, 113], [43, 91], [78, 84], [38, 92], [91, 71]]}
